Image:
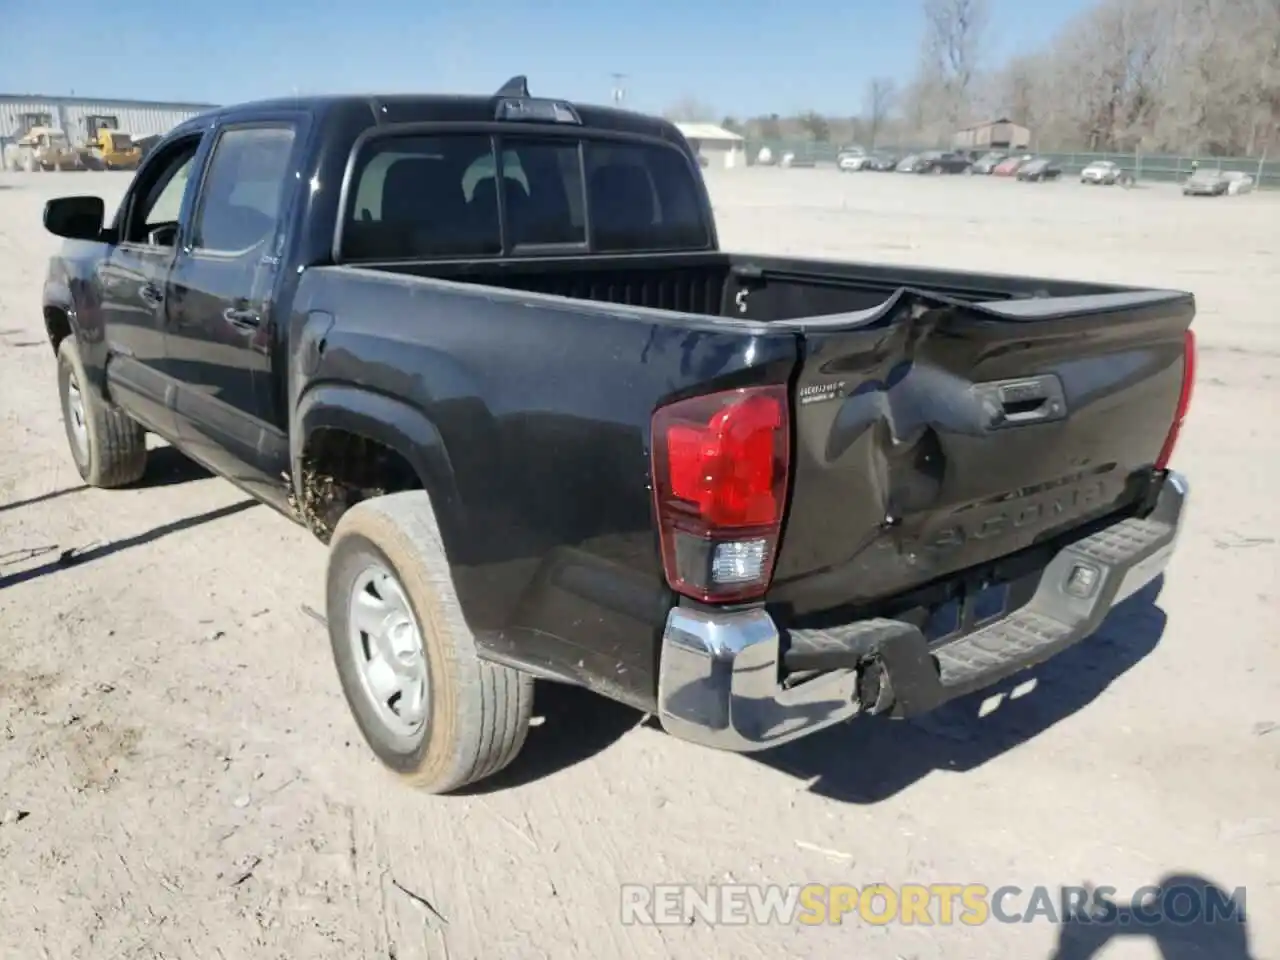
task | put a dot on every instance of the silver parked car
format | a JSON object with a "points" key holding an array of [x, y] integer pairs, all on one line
{"points": [[1206, 183], [1104, 173]]}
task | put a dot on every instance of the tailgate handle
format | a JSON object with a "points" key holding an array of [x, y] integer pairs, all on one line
{"points": [[1013, 403]]}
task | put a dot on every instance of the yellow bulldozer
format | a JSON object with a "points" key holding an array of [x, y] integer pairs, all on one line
{"points": [[113, 150]]}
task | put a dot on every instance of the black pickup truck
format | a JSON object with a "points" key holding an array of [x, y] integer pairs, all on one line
{"points": [[488, 349]]}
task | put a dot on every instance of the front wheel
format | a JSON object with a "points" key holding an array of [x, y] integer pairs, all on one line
{"points": [[109, 447], [427, 705]]}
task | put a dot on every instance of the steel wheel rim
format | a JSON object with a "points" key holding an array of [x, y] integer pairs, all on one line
{"points": [[389, 655], [76, 418]]}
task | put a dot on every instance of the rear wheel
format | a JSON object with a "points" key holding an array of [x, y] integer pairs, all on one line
{"points": [[109, 447], [428, 706]]}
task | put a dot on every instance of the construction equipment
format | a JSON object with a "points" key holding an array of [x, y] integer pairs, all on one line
{"points": [[47, 148]]}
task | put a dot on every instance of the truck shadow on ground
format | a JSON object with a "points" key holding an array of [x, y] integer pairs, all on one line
{"points": [[1186, 916], [871, 760], [68, 557], [576, 724], [42, 498], [167, 467]]}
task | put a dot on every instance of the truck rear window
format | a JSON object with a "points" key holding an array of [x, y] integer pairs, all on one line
{"points": [[438, 197]]}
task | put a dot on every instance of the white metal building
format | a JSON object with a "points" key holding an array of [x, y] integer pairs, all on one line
{"points": [[80, 118], [720, 147]]}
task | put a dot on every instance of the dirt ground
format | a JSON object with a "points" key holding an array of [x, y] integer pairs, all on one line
{"points": [[179, 776]]}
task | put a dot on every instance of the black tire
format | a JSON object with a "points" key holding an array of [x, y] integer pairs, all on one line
{"points": [[110, 447], [477, 712]]}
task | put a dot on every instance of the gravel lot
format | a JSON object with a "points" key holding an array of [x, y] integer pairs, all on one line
{"points": [[179, 776]]}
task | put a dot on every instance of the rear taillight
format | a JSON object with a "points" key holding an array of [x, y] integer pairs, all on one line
{"points": [[720, 488], [1184, 400]]}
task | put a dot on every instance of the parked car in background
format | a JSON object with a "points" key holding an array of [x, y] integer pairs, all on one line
{"points": [[883, 162], [1237, 182], [849, 152], [1104, 173], [1009, 166], [937, 161], [789, 159], [1038, 169], [1206, 183], [987, 163], [850, 161], [908, 163]]}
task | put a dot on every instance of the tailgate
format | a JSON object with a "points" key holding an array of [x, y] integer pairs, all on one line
{"points": [[933, 435]]}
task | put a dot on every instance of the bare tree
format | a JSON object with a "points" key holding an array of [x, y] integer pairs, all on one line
{"points": [[689, 109], [816, 126], [882, 95], [955, 31], [1155, 75], [770, 127]]}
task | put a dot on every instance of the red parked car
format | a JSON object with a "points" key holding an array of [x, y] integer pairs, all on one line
{"points": [[1009, 167]]}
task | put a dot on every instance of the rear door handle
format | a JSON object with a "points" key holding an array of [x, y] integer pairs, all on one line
{"points": [[247, 319]]}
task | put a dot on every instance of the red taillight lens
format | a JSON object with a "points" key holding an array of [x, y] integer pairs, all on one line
{"points": [[720, 486], [1184, 400]]}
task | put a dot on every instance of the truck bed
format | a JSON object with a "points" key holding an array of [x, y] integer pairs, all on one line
{"points": [[941, 420], [713, 284]]}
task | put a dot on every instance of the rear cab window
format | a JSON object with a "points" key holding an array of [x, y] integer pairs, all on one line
{"points": [[460, 195]]}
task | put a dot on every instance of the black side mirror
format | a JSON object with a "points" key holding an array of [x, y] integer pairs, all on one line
{"points": [[75, 218]]}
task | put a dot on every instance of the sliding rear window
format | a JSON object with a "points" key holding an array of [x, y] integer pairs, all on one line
{"points": [[431, 197]]}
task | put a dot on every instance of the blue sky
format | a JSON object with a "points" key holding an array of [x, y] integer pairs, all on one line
{"points": [[742, 56]]}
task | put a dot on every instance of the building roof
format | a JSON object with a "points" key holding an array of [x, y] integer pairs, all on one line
{"points": [[97, 101], [991, 123], [707, 131]]}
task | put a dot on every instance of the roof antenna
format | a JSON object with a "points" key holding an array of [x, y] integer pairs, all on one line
{"points": [[515, 87]]}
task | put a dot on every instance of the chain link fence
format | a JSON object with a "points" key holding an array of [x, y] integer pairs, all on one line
{"points": [[1157, 168]]}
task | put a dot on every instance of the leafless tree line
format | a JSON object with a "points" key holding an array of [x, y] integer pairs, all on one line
{"points": [[1198, 76]]}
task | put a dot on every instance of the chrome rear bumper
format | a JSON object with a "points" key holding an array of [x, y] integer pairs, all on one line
{"points": [[720, 681]]}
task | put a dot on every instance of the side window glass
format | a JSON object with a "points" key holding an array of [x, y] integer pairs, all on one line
{"points": [[244, 189], [154, 219], [168, 202]]}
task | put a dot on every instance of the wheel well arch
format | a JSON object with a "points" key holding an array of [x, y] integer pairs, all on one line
{"points": [[340, 467], [351, 444], [57, 324]]}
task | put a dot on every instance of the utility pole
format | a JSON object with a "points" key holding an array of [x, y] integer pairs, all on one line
{"points": [[619, 87]]}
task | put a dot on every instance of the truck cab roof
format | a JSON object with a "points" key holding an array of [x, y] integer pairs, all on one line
{"points": [[384, 109]]}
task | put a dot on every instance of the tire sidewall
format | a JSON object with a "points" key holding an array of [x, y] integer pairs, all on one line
{"points": [[349, 555], [69, 368]]}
